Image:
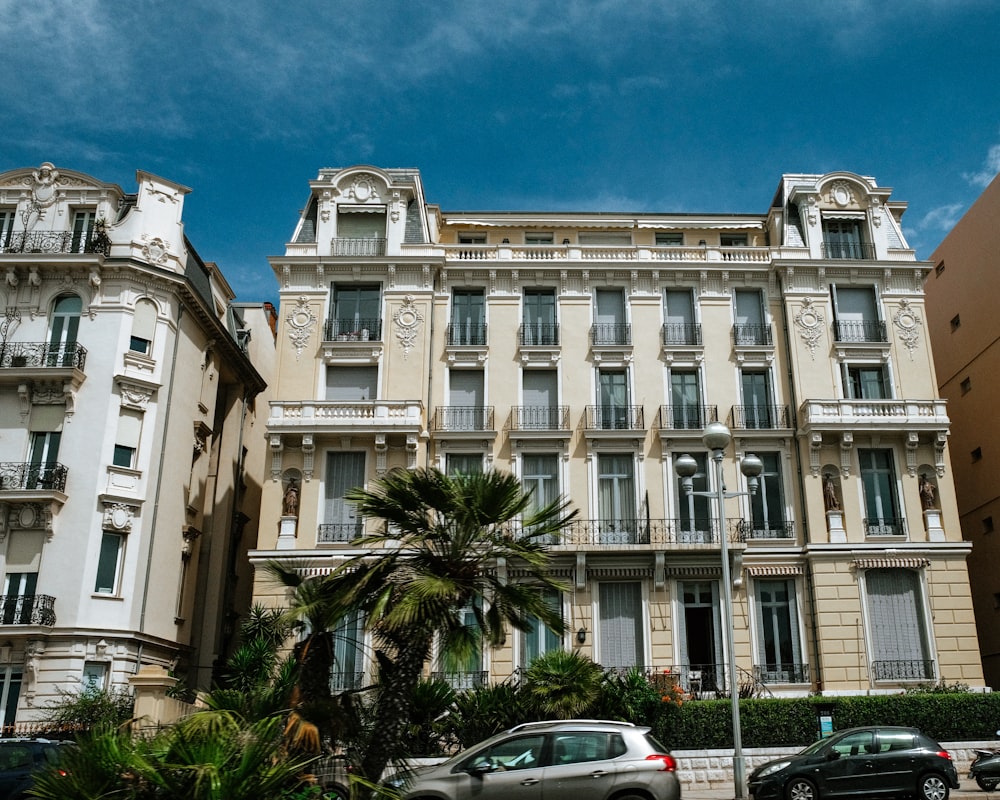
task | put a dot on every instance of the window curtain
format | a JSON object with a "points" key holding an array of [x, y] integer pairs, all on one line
{"points": [[621, 625]]}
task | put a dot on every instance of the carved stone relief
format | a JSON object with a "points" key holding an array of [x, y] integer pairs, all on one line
{"points": [[907, 323], [407, 319], [809, 321], [301, 323]]}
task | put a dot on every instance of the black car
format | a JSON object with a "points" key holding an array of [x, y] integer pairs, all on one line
{"points": [[20, 759], [861, 762]]}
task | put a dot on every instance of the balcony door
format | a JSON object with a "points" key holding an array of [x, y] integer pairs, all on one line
{"points": [[685, 400], [348, 653], [700, 639], [622, 645], [612, 399], [750, 323], [466, 400], [540, 393], [609, 317], [357, 312], [18, 597], [842, 238], [779, 651], [757, 406], [879, 481], [42, 459], [679, 317], [694, 520], [63, 332], [468, 317], [344, 471], [83, 230], [539, 322], [856, 311], [616, 501]]}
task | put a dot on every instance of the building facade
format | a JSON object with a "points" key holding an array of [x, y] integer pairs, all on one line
{"points": [[964, 330], [586, 352], [127, 411]]}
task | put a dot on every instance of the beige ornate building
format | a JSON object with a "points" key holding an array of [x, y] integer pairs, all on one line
{"points": [[128, 452], [586, 352]]}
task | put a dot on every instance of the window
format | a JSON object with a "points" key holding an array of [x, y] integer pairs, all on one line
{"points": [[758, 411], [610, 327], [619, 238], [6, 228], [613, 412], [464, 463], [669, 239], [750, 328], [538, 321], [109, 563], [357, 313], [62, 335], [467, 672], [856, 314], [19, 595], [616, 501], [539, 639], [879, 481], [966, 385], [987, 524], [842, 239], [621, 627], [767, 508], [351, 383], [466, 410], [95, 676], [700, 637], [956, 322], [897, 618], [779, 650], [694, 520], [977, 455], [580, 748], [866, 382], [127, 438], [540, 393], [43, 467], [939, 268], [540, 478], [347, 670], [360, 233], [679, 326], [468, 318], [538, 238], [10, 693], [143, 327], [520, 752], [733, 240], [344, 471], [83, 230], [686, 410], [472, 238]]}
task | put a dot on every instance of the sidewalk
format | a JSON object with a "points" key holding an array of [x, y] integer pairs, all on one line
{"points": [[969, 791]]}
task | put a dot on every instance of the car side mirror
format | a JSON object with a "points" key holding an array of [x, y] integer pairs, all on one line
{"points": [[480, 769], [833, 755]]}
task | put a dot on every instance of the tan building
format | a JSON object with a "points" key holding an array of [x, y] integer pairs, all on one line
{"points": [[965, 331], [128, 452], [586, 352]]}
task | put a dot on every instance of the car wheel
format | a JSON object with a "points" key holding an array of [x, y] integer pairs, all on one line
{"points": [[987, 784], [932, 787], [801, 789], [336, 792]]}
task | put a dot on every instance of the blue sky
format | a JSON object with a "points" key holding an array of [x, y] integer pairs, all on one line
{"points": [[617, 105]]}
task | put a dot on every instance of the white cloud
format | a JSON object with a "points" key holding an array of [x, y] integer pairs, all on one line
{"points": [[942, 218], [989, 171]]}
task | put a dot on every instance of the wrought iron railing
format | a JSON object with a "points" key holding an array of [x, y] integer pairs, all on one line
{"points": [[27, 609], [761, 417], [539, 418], [764, 529], [916, 669], [687, 417], [467, 333], [32, 477], [353, 330], [616, 418], [680, 333], [42, 354], [350, 246], [864, 251], [545, 334], [339, 532], [868, 330], [463, 418], [611, 333], [462, 680], [885, 526], [346, 680], [57, 242], [745, 334], [782, 673]]}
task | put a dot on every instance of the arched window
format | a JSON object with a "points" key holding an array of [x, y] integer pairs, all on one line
{"points": [[143, 328]]}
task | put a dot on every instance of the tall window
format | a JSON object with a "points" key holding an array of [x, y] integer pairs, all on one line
{"points": [[616, 501], [686, 411], [62, 335], [868, 382], [10, 692], [468, 317], [538, 325], [464, 463], [879, 481], [842, 239], [896, 615], [127, 438], [613, 399], [856, 315], [6, 228], [351, 383], [466, 672], [347, 671], [83, 230], [766, 505], [700, 639], [540, 478], [694, 519], [357, 312], [466, 409], [143, 327], [609, 318], [540, 393], [43, 460], [678, 311], [758, 410], [344, 471], [751, 327], [621, 628], [779, 651], [109, 561], [19, 596], [540, 639], [360, 233]]}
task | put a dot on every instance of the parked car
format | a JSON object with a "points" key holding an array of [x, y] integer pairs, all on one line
{"points": [[861, 762], [558, 760], [20, 759]]}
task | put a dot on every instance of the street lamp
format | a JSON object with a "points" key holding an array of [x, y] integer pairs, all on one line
{"points": [[717, 438]]}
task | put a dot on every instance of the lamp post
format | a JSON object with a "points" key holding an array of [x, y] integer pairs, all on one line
{"points": [[717, 438]]}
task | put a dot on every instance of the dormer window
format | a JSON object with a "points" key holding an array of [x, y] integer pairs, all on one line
{"points": [[360, 231], [842, 238]]}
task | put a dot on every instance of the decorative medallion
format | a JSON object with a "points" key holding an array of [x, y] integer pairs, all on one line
{"points": [[908, 323], [43, 185], [841, 194], [810, 323], [155, 250], [407, 318], [118, 517], [301, 321], [363, 188]]}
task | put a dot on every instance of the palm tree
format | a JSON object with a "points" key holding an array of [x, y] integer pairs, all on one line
{"points": [[563, 684], [443, 549]]}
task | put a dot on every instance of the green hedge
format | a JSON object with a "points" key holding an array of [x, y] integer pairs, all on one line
{"points": [[707, 724]]}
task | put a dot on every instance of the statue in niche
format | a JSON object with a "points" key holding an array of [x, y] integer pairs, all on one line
{"points": [[927, 492], [290, 500], [830, 499]]}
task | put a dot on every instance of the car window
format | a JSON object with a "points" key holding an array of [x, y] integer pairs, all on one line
{"points": [[521, 752], [893, 741], [15, 757], [653, 742], [574, 748], [854, 744]]}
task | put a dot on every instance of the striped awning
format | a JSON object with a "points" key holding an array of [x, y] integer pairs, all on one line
{"points": [[891, 563], [775, 569]]}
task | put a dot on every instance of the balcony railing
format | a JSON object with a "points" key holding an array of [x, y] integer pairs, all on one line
{"points": [[464, 418], [886, 526], [782, 673], [467, 333], [860, 251], [57, 242], [539, 334], [339, 532], [32, 477], [686, 418], [539, 418], [681, 333], [894, 414], [859, 331], [624, 530], [615, 418], [764, 529], [346, 680], [42, 354], [761, 417], [353, 330], [462, 680], [747, 335], [903, 670], [349, 246], [27, 609], [611, 333]]}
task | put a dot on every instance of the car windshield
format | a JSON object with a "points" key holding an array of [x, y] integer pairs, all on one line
{"points": [[814, 747]]}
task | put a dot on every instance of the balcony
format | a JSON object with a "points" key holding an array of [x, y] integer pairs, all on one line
{"points": [[681, 334], [875, 415], [539, 418], [756, 417], [686, 417], [352, 330], [539, 334], [27, 609], [463, 418], [61, 364], [349, 246], [752, 335], [611, 334], [914, 670], [345, 416], [467, 334], [860, 331], [657, 533], [781, 673], [462, 680], [346, 680], [48, 242], [339, 532], [856, 251], [32, 477], [615, 418], [884, 526], [748, 530]]}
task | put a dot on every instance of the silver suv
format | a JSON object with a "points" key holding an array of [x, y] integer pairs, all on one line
{"points": [[559, 760]]}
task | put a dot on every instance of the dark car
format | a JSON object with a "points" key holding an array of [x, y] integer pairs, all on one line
{"points": [[20, 759], [564, 760], [860, 762]]}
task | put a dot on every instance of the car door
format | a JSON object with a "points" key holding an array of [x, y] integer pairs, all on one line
{"points": [[579, 767], [896, 760], [509, 769], [852, 771]]}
